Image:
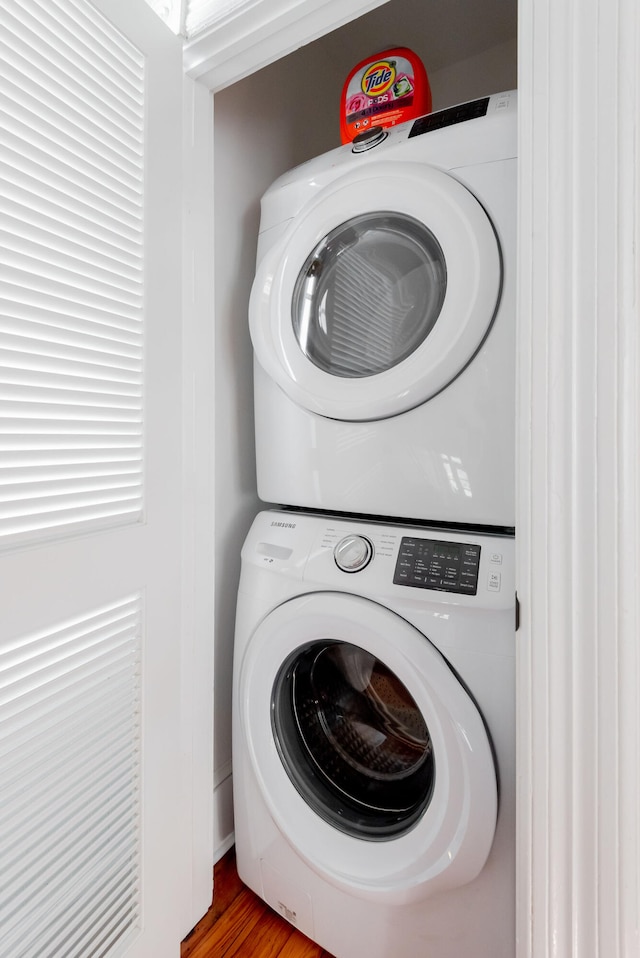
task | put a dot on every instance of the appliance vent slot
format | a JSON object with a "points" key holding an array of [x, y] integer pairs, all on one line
{"points": [[70, 793]]}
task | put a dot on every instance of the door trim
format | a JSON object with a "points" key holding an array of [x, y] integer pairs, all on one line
{"points": [[261, 32], [578, 521]]}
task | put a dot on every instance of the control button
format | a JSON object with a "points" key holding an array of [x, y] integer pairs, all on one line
{"points": [[368, 139], [496, 558], [494, 581], [434, 564], [353, 553]]}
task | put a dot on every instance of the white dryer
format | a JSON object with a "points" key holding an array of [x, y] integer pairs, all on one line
{"points": [[382, 317], [373, 734]]}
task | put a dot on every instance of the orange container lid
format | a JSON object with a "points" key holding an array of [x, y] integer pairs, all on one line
{"points": [[384, 90]]}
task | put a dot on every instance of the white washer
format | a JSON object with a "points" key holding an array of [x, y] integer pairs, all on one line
{"points": [[382, 317], [373, 734]]}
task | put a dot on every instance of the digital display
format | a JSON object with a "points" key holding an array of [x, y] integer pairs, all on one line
{"points": [[454, 114]]}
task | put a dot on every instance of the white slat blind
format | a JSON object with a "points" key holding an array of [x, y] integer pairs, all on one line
{"points": [[70, 797], [71, 272]]}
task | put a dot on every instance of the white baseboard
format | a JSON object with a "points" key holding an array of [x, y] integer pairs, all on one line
{"points": [[221, 850], [223, 831]]}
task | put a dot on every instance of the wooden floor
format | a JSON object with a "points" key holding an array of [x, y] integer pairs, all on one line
{"points": [[240, 925]]}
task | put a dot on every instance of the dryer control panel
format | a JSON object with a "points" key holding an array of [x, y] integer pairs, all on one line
{"points": [[433, 564], [453, 114]]}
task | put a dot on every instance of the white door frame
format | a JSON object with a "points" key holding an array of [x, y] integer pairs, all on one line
{"points": [[197, 645], [578, 519], [578, 530]]}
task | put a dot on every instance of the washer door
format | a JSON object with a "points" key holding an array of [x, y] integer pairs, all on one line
{"points": [[379, 293], [370, 755]]}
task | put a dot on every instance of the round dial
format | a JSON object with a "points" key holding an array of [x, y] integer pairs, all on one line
{"points": [[368, 138], [353, 553]]}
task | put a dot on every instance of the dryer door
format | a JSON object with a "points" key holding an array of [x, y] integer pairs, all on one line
{"points": [[378, 294], [372, 758]]}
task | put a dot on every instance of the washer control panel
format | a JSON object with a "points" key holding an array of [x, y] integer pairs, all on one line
{"points": [[353, 553], [433, 564]]}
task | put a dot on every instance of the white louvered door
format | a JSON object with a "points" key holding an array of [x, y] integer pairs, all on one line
{"points": [[93, 840]]}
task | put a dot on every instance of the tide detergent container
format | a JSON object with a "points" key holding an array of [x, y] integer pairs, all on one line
{"points": [[383, 90]]}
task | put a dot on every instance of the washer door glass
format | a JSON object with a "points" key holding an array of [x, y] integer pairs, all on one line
{"points": [[369, 294], [352, 740]]}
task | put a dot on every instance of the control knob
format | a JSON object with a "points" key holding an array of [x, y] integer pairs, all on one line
{"points": [[368, 139], [353, 553]]}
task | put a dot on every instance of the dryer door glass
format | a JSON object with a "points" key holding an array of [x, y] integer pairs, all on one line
{"points": [[369, 294], [352, 740]]}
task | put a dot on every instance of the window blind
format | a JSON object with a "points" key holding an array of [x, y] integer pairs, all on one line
{"points": [[70, 792], [71, 272]]}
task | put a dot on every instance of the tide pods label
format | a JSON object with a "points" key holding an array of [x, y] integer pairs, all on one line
{"points": [[378, 78]]}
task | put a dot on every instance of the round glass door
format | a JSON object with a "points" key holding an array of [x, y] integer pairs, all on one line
{"points": [[368, 752], [369, 294], [377, 294], [352, 740]]}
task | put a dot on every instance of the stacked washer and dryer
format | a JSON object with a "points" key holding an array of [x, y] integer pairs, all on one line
{"points": [[373, 697]]}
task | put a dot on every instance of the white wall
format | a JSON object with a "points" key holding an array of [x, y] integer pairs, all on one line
{"points": [[259, 133], [265, 125], [487, 72]]}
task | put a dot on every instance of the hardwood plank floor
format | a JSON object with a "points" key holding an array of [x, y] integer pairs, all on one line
{"points": [[240, 925]]}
